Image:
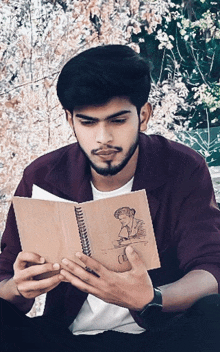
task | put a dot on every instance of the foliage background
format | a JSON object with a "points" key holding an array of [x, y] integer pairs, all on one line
{"points": [[180, 39]]}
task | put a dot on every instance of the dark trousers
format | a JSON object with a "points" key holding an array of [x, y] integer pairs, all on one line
{"points": [[196, 330]]}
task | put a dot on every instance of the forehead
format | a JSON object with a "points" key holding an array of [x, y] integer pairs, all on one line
{"points": [[110, 108]]}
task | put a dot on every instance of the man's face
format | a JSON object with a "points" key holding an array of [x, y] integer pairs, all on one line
{"points": [[107, 134], [124, 219]]}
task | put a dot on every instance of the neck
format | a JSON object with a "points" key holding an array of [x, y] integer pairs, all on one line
{"points": [[110, 183]]}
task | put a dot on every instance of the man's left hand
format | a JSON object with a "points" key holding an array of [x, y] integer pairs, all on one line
{"points": [[131, 289]]}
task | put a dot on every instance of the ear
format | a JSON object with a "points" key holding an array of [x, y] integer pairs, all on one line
{"points": [[69, 118], [145, 115]]}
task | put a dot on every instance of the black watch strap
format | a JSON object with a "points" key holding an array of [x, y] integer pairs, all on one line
{"points": [[151, 316], [156, 303]]}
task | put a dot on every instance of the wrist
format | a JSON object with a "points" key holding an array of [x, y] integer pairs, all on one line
{"points": [[18, 293], [152, 318], [14, 289], [155, 306], [9, 292]]}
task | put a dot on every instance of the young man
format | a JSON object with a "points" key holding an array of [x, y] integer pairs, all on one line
{"points": [[104, 92]]}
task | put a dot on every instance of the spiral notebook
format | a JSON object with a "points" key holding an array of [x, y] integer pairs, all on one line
{"points": [[101, 229]]}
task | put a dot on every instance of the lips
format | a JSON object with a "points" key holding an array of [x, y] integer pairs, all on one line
{"points": [[106, 152]]}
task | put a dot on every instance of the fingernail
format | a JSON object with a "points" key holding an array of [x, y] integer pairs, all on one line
{"points": [[65, 261], [79, 255], [56, 266], [130, 250], [42, 260]]}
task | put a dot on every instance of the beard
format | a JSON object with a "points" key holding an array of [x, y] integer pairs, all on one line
{"points": [[111, 170]]}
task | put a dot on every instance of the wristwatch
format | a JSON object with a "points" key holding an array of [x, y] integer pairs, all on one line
{"points": [[152, 308], [151, 316]]}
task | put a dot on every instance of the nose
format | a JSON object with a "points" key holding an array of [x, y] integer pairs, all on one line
{"points": [[103, 134]]}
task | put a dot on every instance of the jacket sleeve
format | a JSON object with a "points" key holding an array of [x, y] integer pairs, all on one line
{"points": [[10, 242], [198, 225], [196, 234]]}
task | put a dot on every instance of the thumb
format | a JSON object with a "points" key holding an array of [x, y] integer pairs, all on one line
{"points": [[133, 257]]}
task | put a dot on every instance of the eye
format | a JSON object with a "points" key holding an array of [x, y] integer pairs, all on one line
{"points": [[119, 121], [87, 122]]}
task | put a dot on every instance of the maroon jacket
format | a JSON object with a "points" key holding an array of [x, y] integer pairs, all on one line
{"points": [[185, 217]]}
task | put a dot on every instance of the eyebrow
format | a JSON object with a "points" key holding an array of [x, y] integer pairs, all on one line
{"points": [[117, 114]]}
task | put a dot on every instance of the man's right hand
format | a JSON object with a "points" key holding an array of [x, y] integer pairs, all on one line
{"points": [[29, 265]]}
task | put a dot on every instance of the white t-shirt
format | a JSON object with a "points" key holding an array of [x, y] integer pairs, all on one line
{"points": [[97, 316]]}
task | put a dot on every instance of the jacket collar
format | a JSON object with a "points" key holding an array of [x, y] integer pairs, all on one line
{"points": [[71, 173], [152, 170]]}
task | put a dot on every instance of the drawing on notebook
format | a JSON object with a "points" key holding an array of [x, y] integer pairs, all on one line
{"points": [[132, 229]]}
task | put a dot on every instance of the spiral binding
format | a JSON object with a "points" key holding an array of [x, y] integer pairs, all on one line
{"points": [[82, 231]]}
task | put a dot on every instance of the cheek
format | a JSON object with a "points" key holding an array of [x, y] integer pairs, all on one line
{"points": [[128, 136], [83, 136], [124, 132]]}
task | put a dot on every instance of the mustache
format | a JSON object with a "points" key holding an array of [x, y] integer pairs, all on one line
{"points": [[106, 148]]}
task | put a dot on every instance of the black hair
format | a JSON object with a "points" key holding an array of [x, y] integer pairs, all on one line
{"points": [[99, 74], [124, 210]]}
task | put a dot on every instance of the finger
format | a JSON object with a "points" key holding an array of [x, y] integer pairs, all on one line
{"points": [[61, 278], [35, 270], [92, 264], [77, 282], [39, 286], [79, 271], [134, 259], [27, 257]]}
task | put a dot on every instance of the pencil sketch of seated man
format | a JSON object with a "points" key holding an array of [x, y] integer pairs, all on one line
{"points": [[131, 228]]}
